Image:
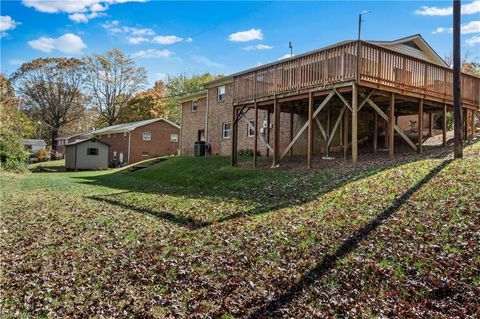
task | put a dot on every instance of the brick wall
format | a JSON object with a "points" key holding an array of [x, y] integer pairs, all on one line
{"points": [[192, 122], [159, 145]]}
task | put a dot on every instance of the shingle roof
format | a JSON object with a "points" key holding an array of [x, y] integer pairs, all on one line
{"points": [[127, 127], [34, 142]]}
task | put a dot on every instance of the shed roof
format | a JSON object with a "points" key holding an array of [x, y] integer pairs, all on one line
{"points": [[127, 127], [34, 142], [86, 140]]}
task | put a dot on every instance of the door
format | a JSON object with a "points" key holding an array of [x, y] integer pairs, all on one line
{"points": [[120, 157], [201, 136]]}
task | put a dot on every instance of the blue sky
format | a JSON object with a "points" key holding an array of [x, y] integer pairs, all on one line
{"points": [[216, 37]]}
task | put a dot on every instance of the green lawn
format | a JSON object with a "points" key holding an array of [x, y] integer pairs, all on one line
{"points": [[193, 237]]}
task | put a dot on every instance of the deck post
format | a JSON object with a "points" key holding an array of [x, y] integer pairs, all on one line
{"points": [[375, 132], [444, 125], [268, 132], [276, 132], [291, 129], [354, 125], [391, 125], [472, 124], [255, 141], [345, 135], [430, 132], [420, 126], [234, 137], [329, 116], [310, 131], [465, 126]]}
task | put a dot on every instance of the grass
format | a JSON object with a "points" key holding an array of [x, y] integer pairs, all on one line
{"points": [[194, 237]]}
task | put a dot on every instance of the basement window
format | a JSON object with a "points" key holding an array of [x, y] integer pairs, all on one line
{"points": [[221, 93], [92, 151], [226, 130], [194, 106], [174, 138], [147, 136]]}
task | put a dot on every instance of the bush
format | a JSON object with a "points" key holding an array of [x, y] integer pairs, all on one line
{"points": [[41, 155], [12, 152], [246, 152]]}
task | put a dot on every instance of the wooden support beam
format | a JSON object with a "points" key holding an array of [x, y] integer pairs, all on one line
{"points": [[397, 129], [344, 100], [255, 141], [375, 132], [335, 126], [291, 129], [310, 131], [268, 132], [322, 130], [354, 125], [304, 127], [391, 125], [472, 125], [420, 126], [234, 137], [329, 115], [444, 125], [345, 135], [276, 132], [430, 129], [365, 100]]}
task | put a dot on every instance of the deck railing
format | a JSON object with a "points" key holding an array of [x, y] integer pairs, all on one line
{"points": [[339, 64]]}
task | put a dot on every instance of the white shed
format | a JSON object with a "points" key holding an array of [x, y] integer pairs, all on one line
{"points": [[86, 154]]}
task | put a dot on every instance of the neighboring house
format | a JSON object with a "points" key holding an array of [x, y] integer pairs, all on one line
{"points": [[86, 154], [137, 141], [64, 140], [350, 98], [34, 145]]}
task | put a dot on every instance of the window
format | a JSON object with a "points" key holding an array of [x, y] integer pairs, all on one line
{"points": [[201, 135], [174, 138], [194, 106], [221, 93], [226, 130], [124, 135], [147, 136], [251, 129], [145, 153], [92, 151], [114, 155], [108, 135]]}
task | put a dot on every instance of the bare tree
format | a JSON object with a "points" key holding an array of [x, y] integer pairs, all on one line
{"points": [[112, 79], [51, 90]]}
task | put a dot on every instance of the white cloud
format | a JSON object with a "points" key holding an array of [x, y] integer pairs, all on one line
{"points": [[243, 36], [166, 39], [473, 40], [79, 10], [152, 53], [206, 61], [440, 30], [68, 43], [137, 40], [16, 62], [286, 56], [468, 8], [258, 47], [471, 27], [159, 76], [7, 23], [189, 40]]}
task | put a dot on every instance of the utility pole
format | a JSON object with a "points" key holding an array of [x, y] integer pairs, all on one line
{"points": [[359, 48], [457, 97], [290, 46]]}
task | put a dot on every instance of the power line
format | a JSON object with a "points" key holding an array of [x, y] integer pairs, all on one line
{"points": [[248, 13]]}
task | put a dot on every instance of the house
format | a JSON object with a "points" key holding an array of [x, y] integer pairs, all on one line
{"points": [[64, 140], [33, 145], [137, 141], [86, 154], [329, 99]]}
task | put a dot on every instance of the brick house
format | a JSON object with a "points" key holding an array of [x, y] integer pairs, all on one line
{"points": [[138, 141], [390, 91]]}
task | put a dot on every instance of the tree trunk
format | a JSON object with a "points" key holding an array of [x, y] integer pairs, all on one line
{"points": [[54, 144]]}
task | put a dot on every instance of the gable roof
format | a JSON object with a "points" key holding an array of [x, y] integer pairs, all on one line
{"points": [[86, 140], [416, 43], [81, 134], [128, 127]]}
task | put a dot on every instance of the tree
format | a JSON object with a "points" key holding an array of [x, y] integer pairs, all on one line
{"points": [[181, 85], [14, 126], [112, 80], [51, 90]]}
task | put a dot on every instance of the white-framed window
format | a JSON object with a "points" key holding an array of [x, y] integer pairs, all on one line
{"points": [[174, 138], [108, 135], [226, 129], [194, 106], [221, 93], [147, 136], [114, 155], [92, 151], [251, 129], [124, 135]]}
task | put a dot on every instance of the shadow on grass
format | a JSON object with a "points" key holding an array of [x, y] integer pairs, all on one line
{"points": [[268, 189], [328, 262]]}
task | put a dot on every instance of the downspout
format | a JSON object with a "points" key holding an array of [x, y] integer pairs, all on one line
{"points": [[206, 122], [129, 136], [181, 131]]}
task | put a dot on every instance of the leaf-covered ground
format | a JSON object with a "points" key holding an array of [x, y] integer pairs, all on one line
{"points": [[195, 238]]}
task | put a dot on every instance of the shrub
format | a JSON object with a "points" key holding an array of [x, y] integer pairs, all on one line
{"points": [[12, 152], [41, 155], [246, 152]]}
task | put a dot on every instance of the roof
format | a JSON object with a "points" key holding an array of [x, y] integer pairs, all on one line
{"points": [[128, 127], [192, 96], [417, 38], [92, 139], [34, 142], [86, 133]]}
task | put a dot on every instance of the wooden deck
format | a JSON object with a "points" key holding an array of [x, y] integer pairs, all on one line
{"points": [[379, 68]]}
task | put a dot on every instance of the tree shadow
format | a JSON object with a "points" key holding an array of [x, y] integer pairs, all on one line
{"points": [[351, 243]]}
